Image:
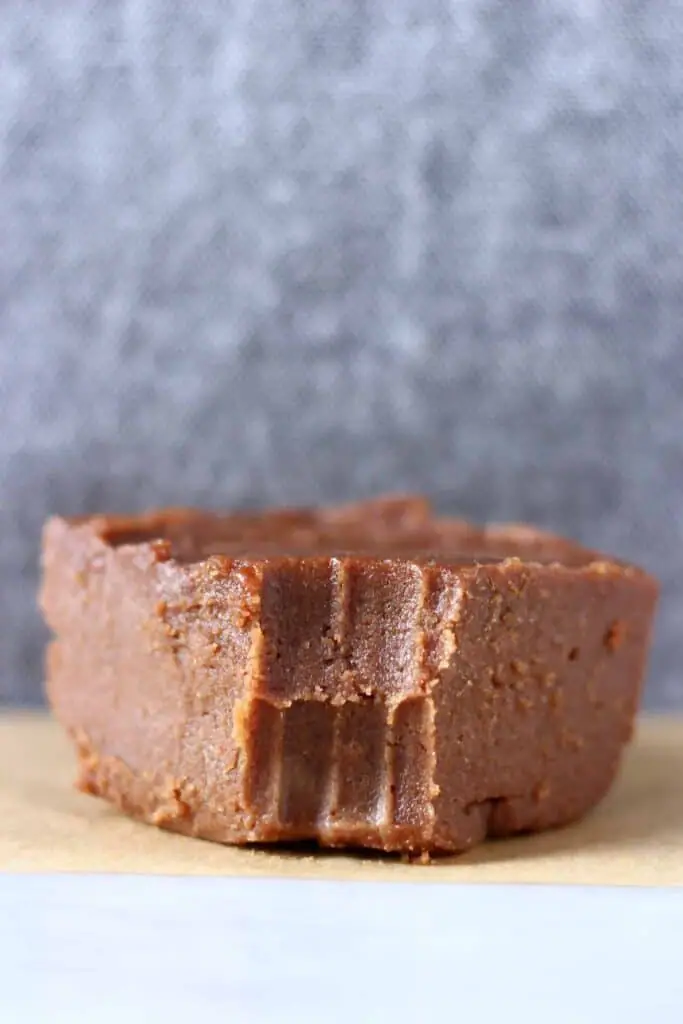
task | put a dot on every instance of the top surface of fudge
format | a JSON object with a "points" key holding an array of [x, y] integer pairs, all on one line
{"points": [[389, 528]]}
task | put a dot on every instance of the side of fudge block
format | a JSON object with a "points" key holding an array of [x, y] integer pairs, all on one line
{"points": [[144, 673], [539, 697]]}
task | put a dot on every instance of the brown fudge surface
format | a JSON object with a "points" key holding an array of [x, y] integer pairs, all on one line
{"points": [[368, 676]]}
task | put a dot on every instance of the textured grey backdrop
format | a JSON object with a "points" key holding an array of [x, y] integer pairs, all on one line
{"points": [[275, 250]]}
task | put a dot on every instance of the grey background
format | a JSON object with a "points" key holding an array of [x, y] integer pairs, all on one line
{"points": [[277, 251]]}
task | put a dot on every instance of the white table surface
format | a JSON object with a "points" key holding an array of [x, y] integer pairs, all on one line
{"points": [[134, 948]]}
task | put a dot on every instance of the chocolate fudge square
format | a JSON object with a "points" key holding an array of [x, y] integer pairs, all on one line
{"points": [[368, 676]]}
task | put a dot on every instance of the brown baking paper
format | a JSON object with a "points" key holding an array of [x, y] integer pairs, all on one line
{"points": [[634, 838]]}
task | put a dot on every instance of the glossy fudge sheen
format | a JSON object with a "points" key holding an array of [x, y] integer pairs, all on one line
{"points": [[370, 676]]}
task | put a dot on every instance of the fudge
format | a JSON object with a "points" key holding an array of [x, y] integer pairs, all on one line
{"points": [[368, 676]]}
